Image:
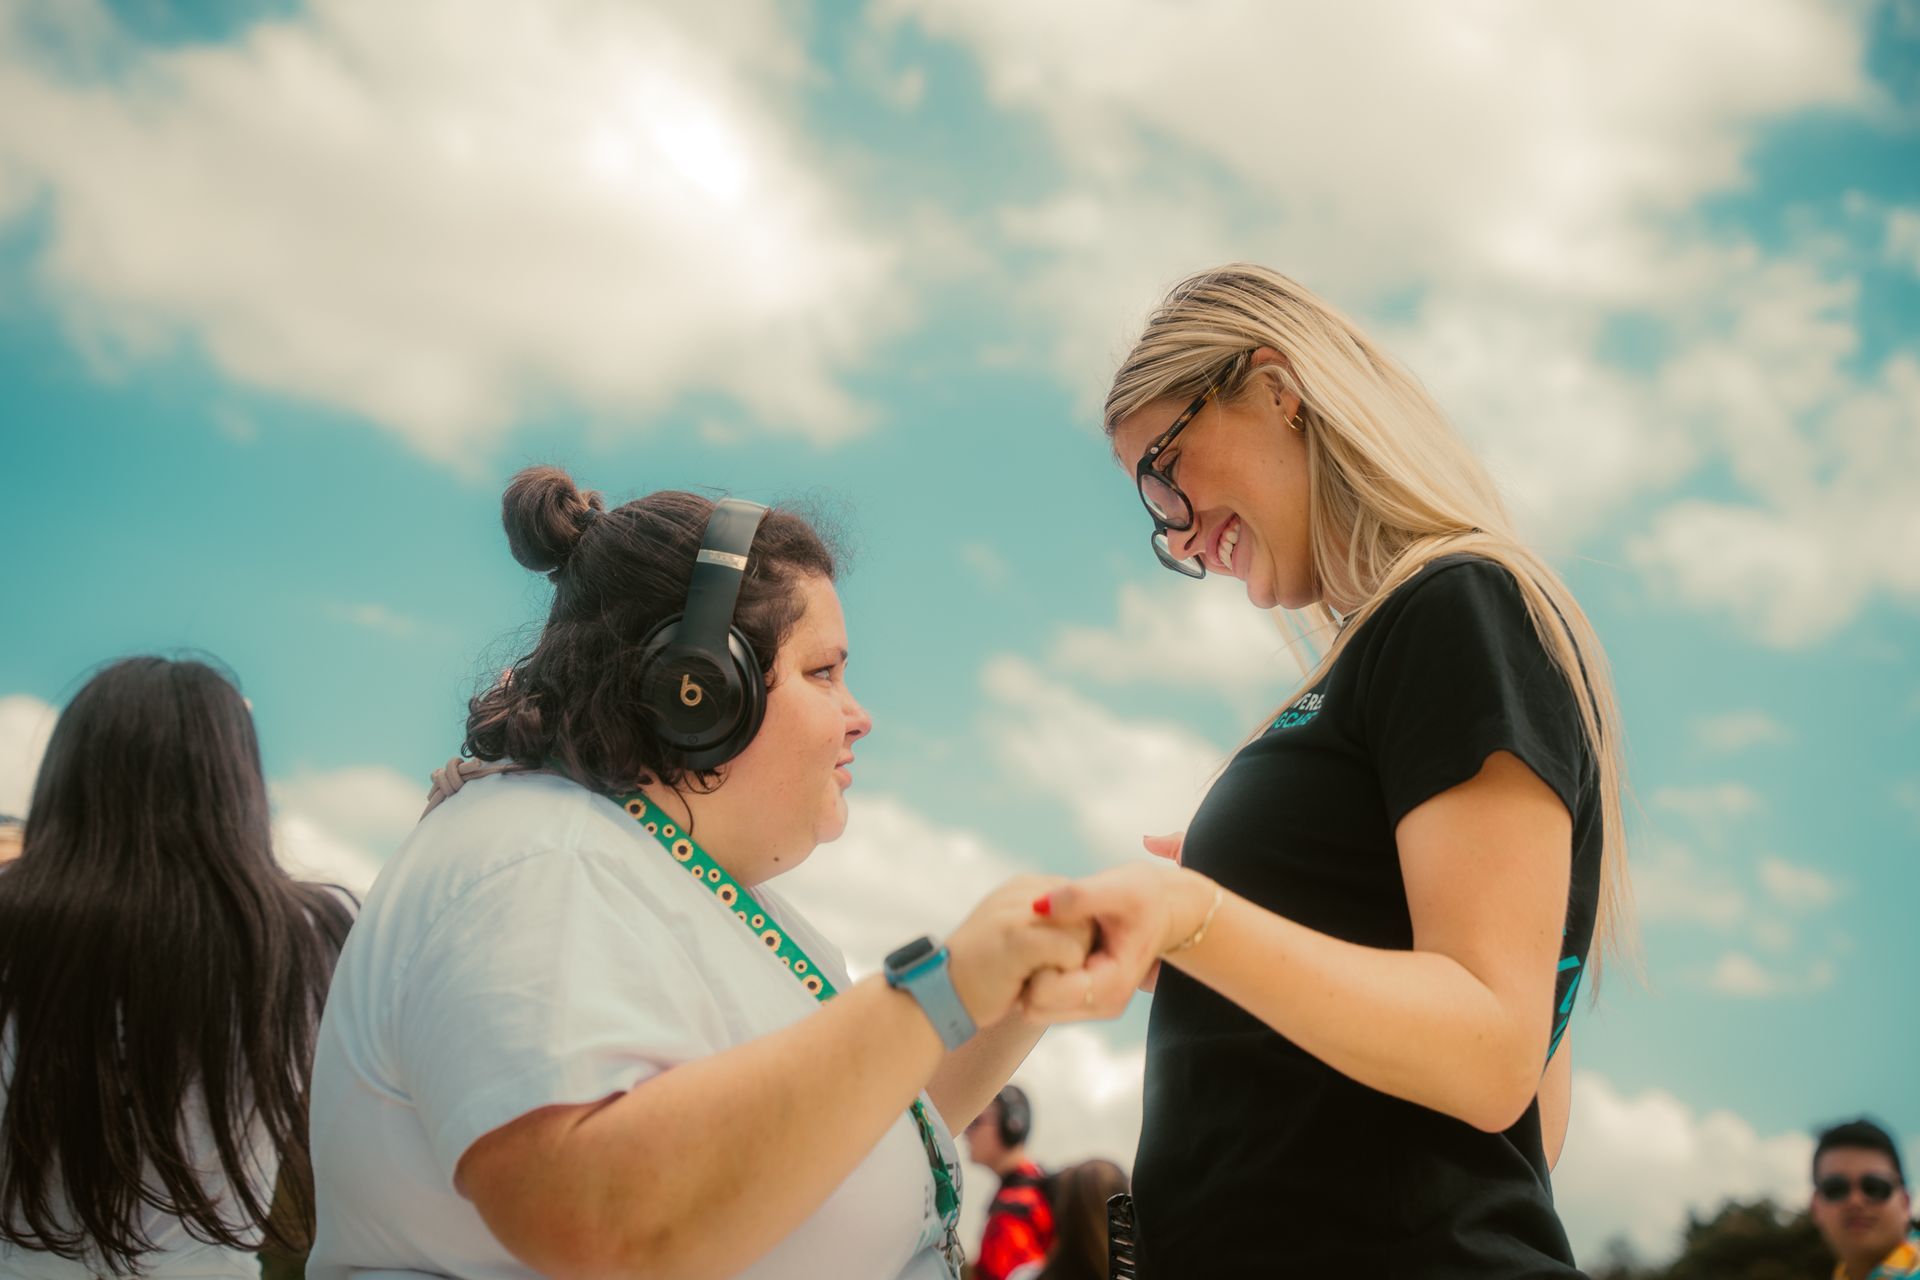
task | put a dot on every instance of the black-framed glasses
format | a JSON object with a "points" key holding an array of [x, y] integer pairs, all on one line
{"points": [[1169, 507], [1836, 1187]]}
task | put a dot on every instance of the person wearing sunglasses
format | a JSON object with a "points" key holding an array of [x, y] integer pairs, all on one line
{"points": [[1365, 951], [1860, 1203]]}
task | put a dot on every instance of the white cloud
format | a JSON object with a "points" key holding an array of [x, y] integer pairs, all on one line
{"points": [[368, 804], [1120, 779], [340, 825], [1906, 794], [1709, 805], [370, 206], [1796, 886], [1542, 191], [311, 852], [1201, 635], [1567, 437], [1736, 973], [986, 564], [1100, 259], [1737, 730], [1630, 110], [1636, 1166], [1903, 238], [375, 617], [25, 725], [1827, 456], [1671, 886], [892, 876]]}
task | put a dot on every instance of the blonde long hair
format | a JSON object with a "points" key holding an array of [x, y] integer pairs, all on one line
{"points": [[1390, 487]]}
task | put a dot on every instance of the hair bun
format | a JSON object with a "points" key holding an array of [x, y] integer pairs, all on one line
{"points": [[544, 514]]}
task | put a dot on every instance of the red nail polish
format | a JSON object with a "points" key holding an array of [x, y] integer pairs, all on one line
{"points": [[1043, 905]]}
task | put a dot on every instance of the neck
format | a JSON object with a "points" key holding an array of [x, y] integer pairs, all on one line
{"points": [[1861, 1267], [1012, 1160], [717, 827]]}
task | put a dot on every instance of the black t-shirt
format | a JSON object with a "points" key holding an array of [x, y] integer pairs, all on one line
{"points": [[1256, 1158]]}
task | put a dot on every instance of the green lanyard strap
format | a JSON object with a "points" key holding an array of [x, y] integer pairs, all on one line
{"points": [[732, 894]]}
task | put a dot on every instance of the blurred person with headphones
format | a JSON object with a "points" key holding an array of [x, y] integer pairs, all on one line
{"points": [[1019, 1226], [577, 1031]]}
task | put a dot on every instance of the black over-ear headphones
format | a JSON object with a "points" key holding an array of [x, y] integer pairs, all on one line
{"points": [[1016, 1116], [697, 672]]}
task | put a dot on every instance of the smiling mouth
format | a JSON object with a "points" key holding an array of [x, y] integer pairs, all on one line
{"points": [[1224, 544]]}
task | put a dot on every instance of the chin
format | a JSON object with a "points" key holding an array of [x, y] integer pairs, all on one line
{"points": [[833, 824]]}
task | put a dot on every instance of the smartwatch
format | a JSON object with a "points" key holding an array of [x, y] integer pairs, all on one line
{"points": [[920, 970]]}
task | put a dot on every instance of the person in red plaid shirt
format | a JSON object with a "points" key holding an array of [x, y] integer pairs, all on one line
{"points": [[1020, 1220]]}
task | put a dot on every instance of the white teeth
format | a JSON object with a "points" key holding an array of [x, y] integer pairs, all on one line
{"points": [[1228, 541]]}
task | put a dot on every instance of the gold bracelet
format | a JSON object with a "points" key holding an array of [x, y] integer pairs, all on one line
{"points": [[1193, 939]]}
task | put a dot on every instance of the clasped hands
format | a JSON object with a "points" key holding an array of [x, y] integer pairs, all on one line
{"points": [[1060, 950]]}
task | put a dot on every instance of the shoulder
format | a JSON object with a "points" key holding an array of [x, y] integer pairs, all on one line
{"points": [[1451, 602], [497, 821], [1456, 582], [495, 839]]}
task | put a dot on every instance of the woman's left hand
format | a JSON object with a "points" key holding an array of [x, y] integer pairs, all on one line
{"points": [[1141, 909]]}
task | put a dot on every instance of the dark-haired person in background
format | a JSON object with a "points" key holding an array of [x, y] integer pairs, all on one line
{"points": [[1020, 1220], [1861, 1205], [160, 982], [552, 1050], [1079, 1250]]}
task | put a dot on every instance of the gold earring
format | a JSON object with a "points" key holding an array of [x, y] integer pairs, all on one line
{"points": [[1294, 421]]}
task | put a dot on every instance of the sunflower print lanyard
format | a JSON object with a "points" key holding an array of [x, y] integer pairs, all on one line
{"points": [[711, 876]]}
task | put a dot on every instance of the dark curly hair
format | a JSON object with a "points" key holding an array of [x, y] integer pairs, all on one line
{"points": [[575, 701]]}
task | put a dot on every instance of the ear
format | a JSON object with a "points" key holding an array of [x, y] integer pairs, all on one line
{"points": [[1284, 400]]}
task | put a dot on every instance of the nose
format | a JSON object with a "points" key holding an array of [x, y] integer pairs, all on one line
{"points": [[859, 722], [1184, 544]]}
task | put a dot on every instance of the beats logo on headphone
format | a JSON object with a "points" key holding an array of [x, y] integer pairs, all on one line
{"points": [[697, 672]]}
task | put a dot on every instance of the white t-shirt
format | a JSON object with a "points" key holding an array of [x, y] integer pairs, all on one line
{"points": [[531, 945], [176, 1255]]}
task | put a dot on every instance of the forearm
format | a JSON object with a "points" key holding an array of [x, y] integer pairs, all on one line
{"points": [[703, 1168], [1416, 1025], [969, 1077]]}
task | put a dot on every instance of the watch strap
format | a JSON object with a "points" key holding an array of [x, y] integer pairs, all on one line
{"points": [[929, 981]]}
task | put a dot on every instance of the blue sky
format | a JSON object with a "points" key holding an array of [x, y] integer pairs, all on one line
{"points": [[286, 292]]}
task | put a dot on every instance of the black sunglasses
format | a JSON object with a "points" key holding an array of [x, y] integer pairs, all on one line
{"points": [[1169, 507], [1836, 1187]]}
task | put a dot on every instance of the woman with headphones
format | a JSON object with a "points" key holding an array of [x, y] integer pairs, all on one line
{"points": [[1357, 1060], [576, 1030]]}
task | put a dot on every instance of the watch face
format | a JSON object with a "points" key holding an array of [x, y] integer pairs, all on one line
{"points": [[911, 954]]}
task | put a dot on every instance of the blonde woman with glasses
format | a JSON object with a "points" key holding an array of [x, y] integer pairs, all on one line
{"points": [[1376, 926]]}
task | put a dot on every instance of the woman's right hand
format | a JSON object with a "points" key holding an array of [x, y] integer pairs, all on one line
{"points": [[1003, 942]]}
